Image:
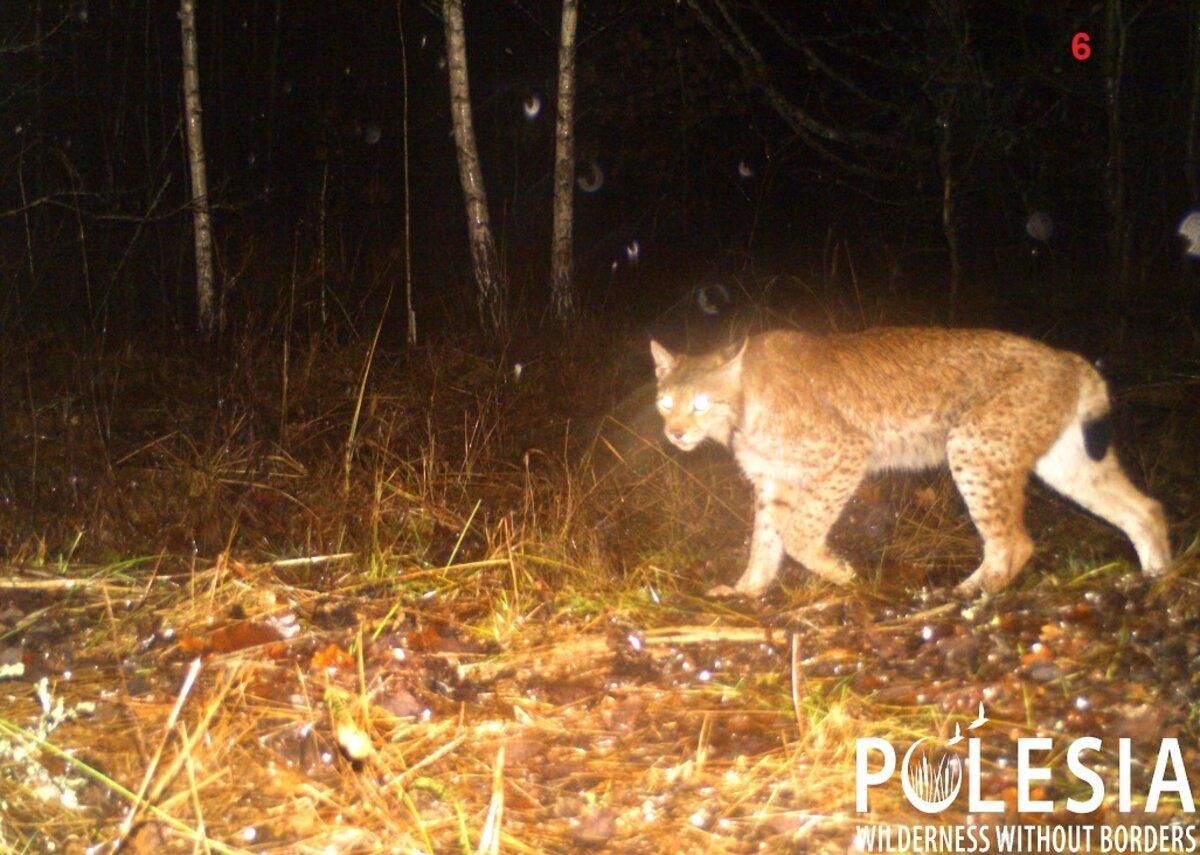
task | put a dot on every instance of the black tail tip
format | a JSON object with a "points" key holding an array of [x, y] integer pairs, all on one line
{"points": [[1097, 437]]}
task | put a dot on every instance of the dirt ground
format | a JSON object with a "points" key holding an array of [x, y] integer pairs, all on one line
{"points": [[321, 601]]}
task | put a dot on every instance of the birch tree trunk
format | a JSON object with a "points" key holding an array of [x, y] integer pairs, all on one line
{"points": [[201, 217], [562, 272], [491, 288]]}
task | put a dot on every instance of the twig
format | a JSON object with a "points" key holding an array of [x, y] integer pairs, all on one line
{"points": [[308, 561], [126, 825], [18, 583]]}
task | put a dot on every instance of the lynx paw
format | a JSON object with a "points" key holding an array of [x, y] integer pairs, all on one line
{"points": [[976, 585], [724, 592], [820, 561], [840, 573], [968, 588]]}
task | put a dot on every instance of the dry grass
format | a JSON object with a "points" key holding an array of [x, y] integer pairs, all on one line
{"points": [[494, 639]]}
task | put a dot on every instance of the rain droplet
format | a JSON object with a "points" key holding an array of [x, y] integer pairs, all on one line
{"points": [[532, 106], [1189, 230], [712, 298], [1039, 226], [590, 177]]}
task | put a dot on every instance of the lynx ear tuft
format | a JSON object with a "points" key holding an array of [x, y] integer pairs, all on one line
{"points": [[664, 360]]}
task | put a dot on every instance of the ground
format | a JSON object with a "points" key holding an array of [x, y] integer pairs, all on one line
{"points": [[324, 600]]}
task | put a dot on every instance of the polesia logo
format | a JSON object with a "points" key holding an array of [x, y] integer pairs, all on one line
{"points": [[933, 771]]}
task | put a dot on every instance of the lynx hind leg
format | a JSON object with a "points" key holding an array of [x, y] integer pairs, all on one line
{"points": [[1083, 467], [990, 473]]}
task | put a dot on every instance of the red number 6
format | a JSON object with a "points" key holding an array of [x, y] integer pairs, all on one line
{"points": [[1081, 47]]}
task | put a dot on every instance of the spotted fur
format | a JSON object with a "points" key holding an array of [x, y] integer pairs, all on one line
{"points": [[807, 417]]}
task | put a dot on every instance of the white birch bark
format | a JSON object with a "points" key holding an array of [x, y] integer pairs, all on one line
{"points": [[201, 216], [491, 287], [562, 272]]}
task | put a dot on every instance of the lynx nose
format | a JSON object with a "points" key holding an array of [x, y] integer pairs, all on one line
{"points": [[676, 432]]}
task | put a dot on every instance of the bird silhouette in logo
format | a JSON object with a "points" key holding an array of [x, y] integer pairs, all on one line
{"points": [[979, 721]]}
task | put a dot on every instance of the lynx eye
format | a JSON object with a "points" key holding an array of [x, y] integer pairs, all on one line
{"points": [[665, 403], [701, 403]]}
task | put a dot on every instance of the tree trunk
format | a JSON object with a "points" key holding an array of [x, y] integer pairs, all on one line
{"points": [[490, 284], [201, 217], [562, 273], [273, 91], [1192, 160], [409, 313], [949, 212], [1114, 167]]}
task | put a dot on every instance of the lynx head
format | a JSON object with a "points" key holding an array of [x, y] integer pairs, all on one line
{"points": [[699, 397]]}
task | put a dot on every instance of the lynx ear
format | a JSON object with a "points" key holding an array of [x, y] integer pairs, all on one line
{"points": [[731, 357], [664, 360]]}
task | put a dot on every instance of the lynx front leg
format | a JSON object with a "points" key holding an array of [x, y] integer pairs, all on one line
{"points": [[814, 509], [797, 519], [766, 548]]}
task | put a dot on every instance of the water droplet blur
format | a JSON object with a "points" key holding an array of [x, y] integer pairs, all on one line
{"points": [[1189, 230], [1039, 226]]}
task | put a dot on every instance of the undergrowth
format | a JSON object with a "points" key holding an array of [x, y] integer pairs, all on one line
{"points": [[325, 598]]}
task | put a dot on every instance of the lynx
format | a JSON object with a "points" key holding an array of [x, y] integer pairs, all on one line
{"points": [[807, 417]]}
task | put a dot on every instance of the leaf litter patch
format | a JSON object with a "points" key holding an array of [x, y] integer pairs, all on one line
{"points": [[731, 733]]}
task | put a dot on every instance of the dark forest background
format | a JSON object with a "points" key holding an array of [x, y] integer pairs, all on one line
{"points": [[737, 140]]}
